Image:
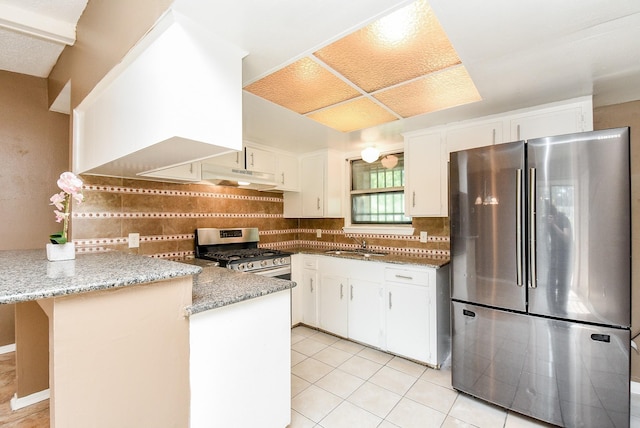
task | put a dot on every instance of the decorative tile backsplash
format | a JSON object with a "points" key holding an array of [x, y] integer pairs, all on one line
{"points": [[167, 214]]}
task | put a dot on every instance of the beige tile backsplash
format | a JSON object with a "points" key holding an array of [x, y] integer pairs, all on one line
{"points": [[166, 216]]}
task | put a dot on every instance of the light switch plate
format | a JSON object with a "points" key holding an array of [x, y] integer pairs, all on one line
{"points": [[423, 237], [134, 240]]}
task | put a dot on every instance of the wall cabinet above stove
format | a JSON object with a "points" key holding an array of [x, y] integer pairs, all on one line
{"points": [[175, 98], [272, 168]]}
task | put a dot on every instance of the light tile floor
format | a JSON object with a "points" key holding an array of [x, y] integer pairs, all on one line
{"points": [[336, 383]]}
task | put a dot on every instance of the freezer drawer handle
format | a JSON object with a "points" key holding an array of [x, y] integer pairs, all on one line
{"points": [[468, 313], [601, 338]]}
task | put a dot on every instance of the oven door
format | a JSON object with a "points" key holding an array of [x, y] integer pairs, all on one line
{"points": [[282, 272]]}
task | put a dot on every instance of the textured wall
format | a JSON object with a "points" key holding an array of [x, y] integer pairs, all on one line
{"points": [[33, 153]]}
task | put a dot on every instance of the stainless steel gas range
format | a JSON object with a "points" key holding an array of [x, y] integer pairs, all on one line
{"points": [[237, 249]]}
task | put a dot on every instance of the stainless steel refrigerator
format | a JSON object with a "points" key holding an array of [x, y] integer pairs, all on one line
{"points": [[541, 276]]}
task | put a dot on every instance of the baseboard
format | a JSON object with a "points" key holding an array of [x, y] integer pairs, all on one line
{"points": [[635, 387], [36, 397], [7, 348]]}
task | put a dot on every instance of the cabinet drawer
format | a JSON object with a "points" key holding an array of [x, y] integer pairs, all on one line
{"points": [[407, 276], [310, 263]]}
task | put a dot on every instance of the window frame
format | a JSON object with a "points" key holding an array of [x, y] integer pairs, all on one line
{"points": [[373, 228]]}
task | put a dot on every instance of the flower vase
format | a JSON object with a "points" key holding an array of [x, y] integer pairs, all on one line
{"points": [[59, 252]]}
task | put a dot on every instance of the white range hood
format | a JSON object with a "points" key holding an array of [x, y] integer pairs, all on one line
{"points": [[176, 97], [236, 177]]}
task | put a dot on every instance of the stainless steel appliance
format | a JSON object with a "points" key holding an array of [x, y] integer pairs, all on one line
{"points": [[237, 249], [541, 276]]}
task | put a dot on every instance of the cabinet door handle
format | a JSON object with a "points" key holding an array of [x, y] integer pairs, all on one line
{"points": [[518, 137], [311, 284], [237, 158], [352, 292], [404, 277], [390, 302], [494, 135], [283, 178], [251, 158], [413, 199], [341, 291], [318, 204]]}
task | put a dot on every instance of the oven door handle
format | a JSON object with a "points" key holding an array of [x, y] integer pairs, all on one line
{"points": [[273, 272]]}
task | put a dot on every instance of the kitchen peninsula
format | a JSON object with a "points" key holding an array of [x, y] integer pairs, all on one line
{"points": [[120, 331]]}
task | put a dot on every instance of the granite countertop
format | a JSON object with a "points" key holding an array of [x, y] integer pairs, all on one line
{"points": [[387, 258], [215, 287], [28, 275]]}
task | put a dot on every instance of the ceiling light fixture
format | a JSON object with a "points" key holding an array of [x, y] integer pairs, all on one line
{"points": [[370, 154], [389, 161]]}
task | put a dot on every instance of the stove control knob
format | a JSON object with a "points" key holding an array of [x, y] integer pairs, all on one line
{"points": [[250, 265], [263, 263], [284, 261], [276, 261], [240, 266]]}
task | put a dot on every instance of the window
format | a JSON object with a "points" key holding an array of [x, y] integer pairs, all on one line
{"points": [[377, 192]]}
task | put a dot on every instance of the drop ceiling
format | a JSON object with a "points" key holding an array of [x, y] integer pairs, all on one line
{"points": [[517, 53]]}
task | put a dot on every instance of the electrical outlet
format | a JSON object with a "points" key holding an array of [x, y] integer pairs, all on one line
{"points": [[423, 237], [318, 233], [134, 240]]}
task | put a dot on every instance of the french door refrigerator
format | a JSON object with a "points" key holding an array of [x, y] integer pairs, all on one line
{"points": [[541, 276]]}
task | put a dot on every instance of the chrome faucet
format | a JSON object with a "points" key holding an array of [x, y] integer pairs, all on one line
{"points": [[362, 243]]}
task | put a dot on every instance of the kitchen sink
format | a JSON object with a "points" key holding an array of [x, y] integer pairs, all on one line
{"points": [[364, 252]]}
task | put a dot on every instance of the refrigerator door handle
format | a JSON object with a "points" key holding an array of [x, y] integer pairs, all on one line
{"points": [[519, 259], [533, 281]]}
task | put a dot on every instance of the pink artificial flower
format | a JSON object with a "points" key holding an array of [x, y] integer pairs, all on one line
{"points": [[59, 216], [58, 200], [69, 183]]}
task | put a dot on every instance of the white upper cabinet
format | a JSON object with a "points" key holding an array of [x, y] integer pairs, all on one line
{"points": [[552, 121], [423, 175], [427, 195], [287, 172], [260, 160], [321, 184], [175, 98]]}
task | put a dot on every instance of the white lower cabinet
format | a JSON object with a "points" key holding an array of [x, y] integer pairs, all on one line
{"points": [[403, 310], [310, 291], [409, 311], [365, 314], [332, 304]]}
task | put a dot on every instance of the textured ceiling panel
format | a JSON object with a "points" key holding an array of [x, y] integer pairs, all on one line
{"points": [[406, 44], [27, 55], [303, 86], [434, 92], [353, 115]]}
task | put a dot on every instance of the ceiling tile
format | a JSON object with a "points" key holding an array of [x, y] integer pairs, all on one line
{"points": [[353, 115], [303, 86], [401, 46], [437, 91]]}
